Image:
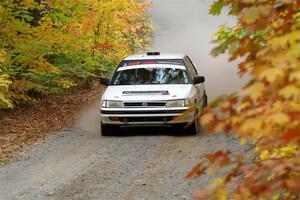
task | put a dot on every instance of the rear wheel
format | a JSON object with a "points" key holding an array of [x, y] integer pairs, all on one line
{"points": [[205, 100], [108, 130]]}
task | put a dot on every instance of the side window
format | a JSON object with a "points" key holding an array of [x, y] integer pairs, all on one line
{"points": [[193, 68], [190, 67]]}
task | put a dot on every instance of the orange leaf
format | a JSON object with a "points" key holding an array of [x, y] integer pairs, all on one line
{"points": [[290, 135], [196, 171]]}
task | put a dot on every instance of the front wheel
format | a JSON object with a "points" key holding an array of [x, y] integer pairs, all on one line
{"points": [[194, 128]]}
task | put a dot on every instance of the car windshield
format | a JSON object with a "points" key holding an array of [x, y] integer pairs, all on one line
{"points": [[147, 76]]}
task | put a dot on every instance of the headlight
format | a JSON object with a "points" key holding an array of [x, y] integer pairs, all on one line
{"points": [[178, 103], [112, 104]]}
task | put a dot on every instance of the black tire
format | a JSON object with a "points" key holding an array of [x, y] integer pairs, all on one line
{"points": [[205, 100], [108, 130], [194, 128], [191, 129]]}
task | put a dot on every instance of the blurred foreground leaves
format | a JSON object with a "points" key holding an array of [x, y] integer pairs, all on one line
{"points": [[266, 111]]}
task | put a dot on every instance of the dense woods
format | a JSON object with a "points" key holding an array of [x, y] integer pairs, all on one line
{"points": [[266, 111], [49, 46]]}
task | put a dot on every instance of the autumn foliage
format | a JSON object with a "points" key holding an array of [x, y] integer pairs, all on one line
{"points": [[266, 111], [49, 46]]}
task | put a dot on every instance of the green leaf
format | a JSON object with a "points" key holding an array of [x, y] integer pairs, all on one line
{"points": [[216, 8]]}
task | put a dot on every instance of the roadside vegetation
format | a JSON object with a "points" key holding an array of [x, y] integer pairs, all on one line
{"points": [[266, 111], [56, 49], [47, 47]]}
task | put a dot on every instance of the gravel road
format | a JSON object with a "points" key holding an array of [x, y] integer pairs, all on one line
{"points": [[77, 163]]}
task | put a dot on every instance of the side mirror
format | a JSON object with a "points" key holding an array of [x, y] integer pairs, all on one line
{"points": [[198, 79], [104, 81]]}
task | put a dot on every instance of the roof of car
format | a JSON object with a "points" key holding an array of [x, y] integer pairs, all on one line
{"points": [[150, 57]]}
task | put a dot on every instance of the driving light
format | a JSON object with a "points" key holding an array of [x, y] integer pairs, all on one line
{"points": [[112, 104], [178, 103]]}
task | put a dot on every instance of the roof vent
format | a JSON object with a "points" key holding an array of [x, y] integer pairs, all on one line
{"points": [[153, 53]]}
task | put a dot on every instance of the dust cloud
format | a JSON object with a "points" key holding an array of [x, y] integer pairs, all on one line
{"points": [[184, 26]]}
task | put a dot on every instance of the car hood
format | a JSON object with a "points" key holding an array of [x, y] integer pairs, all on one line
{"points": [[147, 92]]}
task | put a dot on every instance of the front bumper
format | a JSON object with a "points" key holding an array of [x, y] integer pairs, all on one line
{"points": [[149, 117]]}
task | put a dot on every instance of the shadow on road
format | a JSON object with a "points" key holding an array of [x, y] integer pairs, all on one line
{"points": [[151, 131]]}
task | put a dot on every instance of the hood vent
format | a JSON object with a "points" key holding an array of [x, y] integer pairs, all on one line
{"points": [[152, 92]]}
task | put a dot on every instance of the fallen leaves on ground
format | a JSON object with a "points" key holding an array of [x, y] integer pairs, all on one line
{"points": [[27, 125]]}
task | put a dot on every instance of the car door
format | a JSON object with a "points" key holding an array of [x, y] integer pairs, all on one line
{"points": [[193, 71]]}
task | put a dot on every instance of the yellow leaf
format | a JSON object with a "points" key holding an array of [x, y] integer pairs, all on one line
{"points": [[235, 120], [254, 91], [254, 124], [243, 106], [284, 61], [257, 70], [290, 91], [287, 150], [5, 102], [207, 118], [3, 55], [294, 76], [264, 154], [278, 118], [284, 40], [219, 127], [272, 74], [222, 194], [219, 181]]}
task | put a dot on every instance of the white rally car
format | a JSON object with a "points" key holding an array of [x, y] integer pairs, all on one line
{"points": [[151, 90]]}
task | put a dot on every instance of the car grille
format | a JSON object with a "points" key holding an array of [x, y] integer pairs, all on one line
{"points": [[145, 104], [148, 119], [143, 119], [137, 112]]}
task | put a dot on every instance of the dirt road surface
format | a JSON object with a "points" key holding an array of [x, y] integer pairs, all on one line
{"points": [[77, 163]]}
